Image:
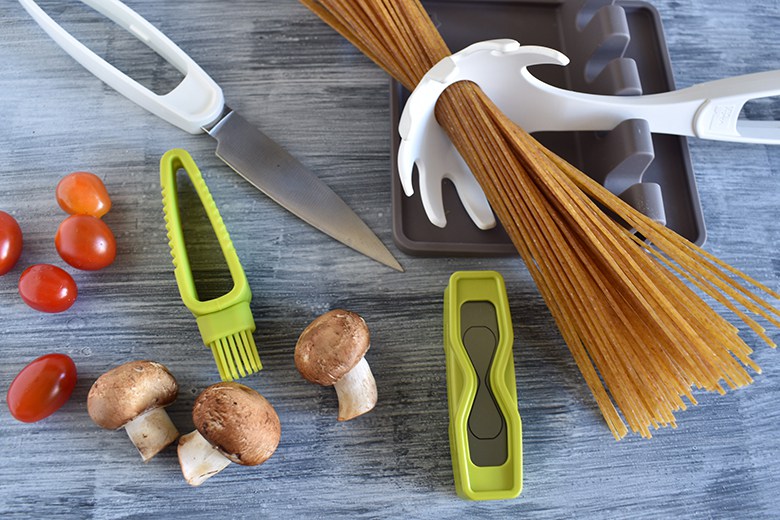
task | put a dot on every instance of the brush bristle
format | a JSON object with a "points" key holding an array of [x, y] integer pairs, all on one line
{"points": [[236, 355]]}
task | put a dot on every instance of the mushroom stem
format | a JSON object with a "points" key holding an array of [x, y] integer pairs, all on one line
{"points": [[151, 432], [199, 460], [356, 391]]}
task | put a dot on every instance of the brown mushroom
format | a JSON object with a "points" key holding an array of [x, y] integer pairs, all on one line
{"points": [[330, 351], [234, 424], [133, 396]]}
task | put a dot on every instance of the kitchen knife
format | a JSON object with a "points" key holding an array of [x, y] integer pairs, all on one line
{"points": [[197, 105]]}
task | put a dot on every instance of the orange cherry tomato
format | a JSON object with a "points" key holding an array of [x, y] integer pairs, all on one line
{"points": [[83, 193], [47, 288], [85, 242], [10, 242], [42, 387]]}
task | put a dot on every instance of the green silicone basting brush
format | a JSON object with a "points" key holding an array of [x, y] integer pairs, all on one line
{"points": [[226, 323]]}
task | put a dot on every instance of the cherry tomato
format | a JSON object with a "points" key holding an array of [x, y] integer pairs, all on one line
{"points": [[42, 387], [85, 242], [10, 242], [47, 288], [83, 193]]}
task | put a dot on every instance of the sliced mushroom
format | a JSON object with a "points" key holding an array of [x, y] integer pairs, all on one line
{"points": [[234, 424], [133, 396], [330, 351]]}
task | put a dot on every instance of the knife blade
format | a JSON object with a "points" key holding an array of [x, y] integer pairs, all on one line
{"points": [[272, 170]]}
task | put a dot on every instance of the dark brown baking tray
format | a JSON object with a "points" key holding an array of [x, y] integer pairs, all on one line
{"points": [[615, 48]]}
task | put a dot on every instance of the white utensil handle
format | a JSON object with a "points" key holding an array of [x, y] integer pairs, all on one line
{"points": [[195, 103], [718, 118], [708, 110]]}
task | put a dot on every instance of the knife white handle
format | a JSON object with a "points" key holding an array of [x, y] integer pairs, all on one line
{"points": [[194, 103]]}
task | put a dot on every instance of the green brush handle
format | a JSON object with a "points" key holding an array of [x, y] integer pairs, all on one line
{"points": [[229, 313]]}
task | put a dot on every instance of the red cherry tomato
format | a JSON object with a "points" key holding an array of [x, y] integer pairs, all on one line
{"points": [[83, 193], [47, 288], [42, 387], [10, 242], [85, 242]]}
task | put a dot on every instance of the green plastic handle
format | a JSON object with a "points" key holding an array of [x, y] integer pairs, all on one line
{"points": [[487, 455], [212, 319]]}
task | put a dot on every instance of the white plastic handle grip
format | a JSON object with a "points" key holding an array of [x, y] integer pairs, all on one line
{"points": [[718, 118], [196, 102], [708, 110]]}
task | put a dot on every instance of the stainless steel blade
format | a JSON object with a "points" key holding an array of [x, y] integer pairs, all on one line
{"points": [[275, 172]]}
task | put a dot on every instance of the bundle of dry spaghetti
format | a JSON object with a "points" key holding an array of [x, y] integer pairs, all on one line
{"points": [[628, 309]]}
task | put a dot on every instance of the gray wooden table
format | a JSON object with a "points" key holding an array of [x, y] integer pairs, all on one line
{"points": [[291, 75]]}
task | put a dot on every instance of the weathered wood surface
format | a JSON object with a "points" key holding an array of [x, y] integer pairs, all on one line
{"points": [[287, 72]]}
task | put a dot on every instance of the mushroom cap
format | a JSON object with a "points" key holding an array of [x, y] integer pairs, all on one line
{"points": [[125, 392], [237, 421], [331, 346]]}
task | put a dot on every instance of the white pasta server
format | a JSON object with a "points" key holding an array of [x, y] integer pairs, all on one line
{"points": [[500, 67]]}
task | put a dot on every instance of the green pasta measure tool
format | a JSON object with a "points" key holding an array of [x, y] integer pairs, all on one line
{"points": [[485, 430], [226, 323]]}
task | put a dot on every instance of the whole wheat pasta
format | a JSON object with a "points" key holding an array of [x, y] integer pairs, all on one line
{"points": [[641, 336]]}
